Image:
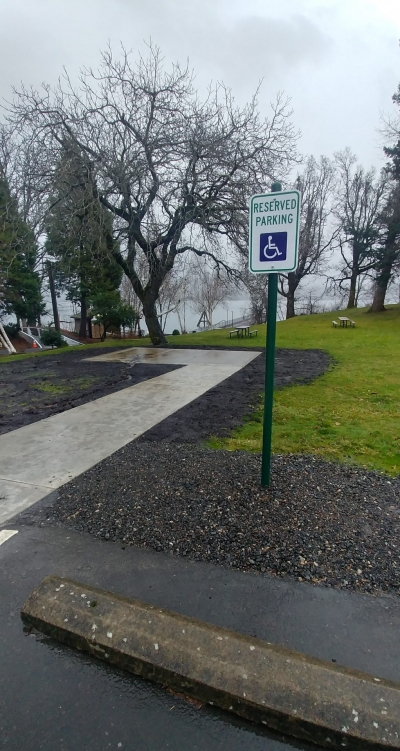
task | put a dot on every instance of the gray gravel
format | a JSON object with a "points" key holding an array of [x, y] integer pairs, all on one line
{"points": [[326, 523]]}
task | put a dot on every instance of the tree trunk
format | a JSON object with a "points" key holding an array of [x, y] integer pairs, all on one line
{"points": [[290, 306], [378, 303], [148, 296], [290, 296], [156, 333], [53, 297], [83, 323], [382, 281], [353, 290]]}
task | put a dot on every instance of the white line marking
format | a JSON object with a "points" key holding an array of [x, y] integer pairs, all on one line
{"points": [[5, 534]]}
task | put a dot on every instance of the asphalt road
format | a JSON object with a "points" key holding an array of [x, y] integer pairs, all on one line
{"points": [[53, 698]]}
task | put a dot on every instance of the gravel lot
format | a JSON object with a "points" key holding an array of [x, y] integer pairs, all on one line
{"points": [[325, 523], [330, 524]]}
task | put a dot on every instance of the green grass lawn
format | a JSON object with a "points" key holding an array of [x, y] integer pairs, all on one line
{"points": [[64, 386], [350, 414]]}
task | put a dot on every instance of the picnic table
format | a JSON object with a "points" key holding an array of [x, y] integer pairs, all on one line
{"points": [[243, 331], [344, 321]]}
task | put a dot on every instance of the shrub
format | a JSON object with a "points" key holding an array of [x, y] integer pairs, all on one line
{"points": [[176, 332], [52, 338]]}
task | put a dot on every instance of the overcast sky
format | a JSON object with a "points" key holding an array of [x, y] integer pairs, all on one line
{"points": [[338, 60]]}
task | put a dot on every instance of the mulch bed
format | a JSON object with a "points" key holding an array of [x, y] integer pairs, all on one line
{"points": [[223, 408], [38, 387], [321, 522]]}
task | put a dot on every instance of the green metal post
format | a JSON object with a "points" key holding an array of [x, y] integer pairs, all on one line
{"points": [[269, 370]]}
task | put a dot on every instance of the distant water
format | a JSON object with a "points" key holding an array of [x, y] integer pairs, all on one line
{"points": [[232, 309]]}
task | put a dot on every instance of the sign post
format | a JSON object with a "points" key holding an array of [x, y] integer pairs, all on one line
{"points": [[273, 248]]}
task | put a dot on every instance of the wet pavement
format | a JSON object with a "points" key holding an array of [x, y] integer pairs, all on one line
{"points": [[53, 698], [74, 440]]}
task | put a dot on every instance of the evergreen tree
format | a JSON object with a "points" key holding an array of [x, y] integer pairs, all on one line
{"points": [[20, 284], [393, 151], [77, 231], [110, 310], [388, 255]]}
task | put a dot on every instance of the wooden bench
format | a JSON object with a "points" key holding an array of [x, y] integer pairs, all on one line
{"points": [[353, 324], [335, 324], [235, 331], [255, 332]]}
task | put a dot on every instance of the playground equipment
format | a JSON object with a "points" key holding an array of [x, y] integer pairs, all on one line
{"points": [[5, 342]]}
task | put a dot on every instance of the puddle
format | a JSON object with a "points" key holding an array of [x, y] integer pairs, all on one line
{"points": [[181, 357]]}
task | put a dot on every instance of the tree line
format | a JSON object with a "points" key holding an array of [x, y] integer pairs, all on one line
{"points": [[131, 182]]}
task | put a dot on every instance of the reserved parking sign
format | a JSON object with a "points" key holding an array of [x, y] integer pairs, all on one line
{"points": [[274, 232]]}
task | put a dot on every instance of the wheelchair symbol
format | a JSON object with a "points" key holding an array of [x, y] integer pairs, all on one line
{"points": [[271, 251]]}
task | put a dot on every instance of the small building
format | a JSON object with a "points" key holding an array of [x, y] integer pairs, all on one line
{"points": [[93, 329]]}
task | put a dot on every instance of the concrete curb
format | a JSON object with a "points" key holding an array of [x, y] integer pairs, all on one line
{"points": [[294, 694]]}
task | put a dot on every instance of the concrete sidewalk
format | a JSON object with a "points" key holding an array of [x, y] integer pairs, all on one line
{"points": [[40, 457], [91, 706]]}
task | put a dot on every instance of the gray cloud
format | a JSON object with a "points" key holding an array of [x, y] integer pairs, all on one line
{"points": [[36, 39], [339, 67], [257, 47]]}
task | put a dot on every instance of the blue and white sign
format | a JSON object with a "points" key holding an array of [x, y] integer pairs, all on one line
{"points": [[273, 246], [274, 232]]}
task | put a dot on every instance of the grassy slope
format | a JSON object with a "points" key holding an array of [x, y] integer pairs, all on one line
{"points": [[350, 414]]}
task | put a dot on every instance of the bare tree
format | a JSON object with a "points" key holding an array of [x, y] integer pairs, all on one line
{"points": [[128, 293], [169, 297], [183, 300], [129, 297], [28, 179], [172, 169], [313, 303], [176, 290], [316, 185], [256, 286], [360, 199], [209, 288]]}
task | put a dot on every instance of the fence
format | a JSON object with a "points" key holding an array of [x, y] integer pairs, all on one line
{"points": [[227, 324]]}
